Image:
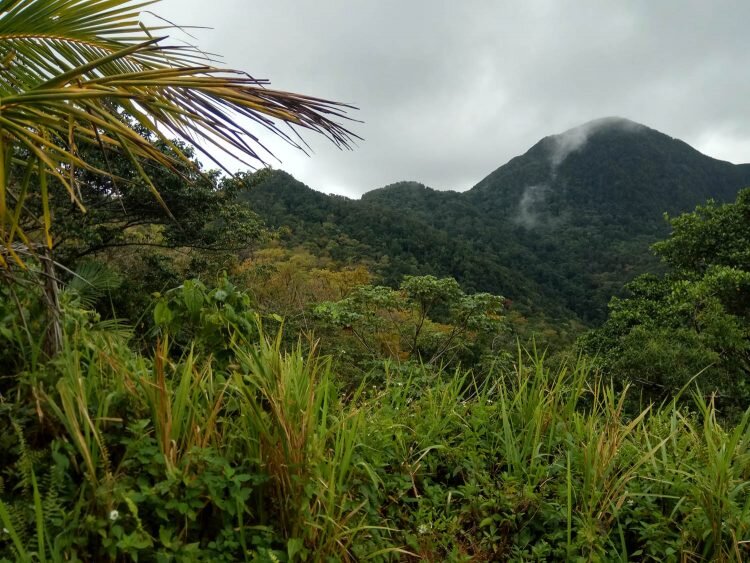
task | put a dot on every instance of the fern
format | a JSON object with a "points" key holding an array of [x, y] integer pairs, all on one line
{"points": [[37, 503], [91, 281], [26, 460]]}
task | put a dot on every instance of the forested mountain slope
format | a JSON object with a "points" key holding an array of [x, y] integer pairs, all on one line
{"points": [[560, 228]]}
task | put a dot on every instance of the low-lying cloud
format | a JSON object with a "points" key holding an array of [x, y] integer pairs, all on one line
{"points": [[531, 205]]}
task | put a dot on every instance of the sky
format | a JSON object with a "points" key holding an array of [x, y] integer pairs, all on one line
{"points": [[448, 91]]}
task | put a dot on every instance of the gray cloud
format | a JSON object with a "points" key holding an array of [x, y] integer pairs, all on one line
{"points": [[449, 91]]}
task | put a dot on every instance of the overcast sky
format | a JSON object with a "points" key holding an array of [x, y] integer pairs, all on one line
{"points": [[450, 90]]}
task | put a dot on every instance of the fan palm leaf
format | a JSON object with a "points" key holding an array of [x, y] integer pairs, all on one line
{"points": [[77, 72]]}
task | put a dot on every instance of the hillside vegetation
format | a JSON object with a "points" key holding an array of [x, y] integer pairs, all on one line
{"points": [[558, 230]]}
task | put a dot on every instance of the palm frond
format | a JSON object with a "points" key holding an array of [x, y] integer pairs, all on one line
{"points": [[89, 72], [91, 281]]}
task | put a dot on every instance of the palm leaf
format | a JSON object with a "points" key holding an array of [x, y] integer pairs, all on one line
{"points": [[89, 72]]}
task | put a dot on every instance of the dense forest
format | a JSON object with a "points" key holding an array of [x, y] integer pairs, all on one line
{"points": [[558, 230], [196, 366]]}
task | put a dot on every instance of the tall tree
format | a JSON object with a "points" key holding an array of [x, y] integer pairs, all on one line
{"points": [[693, 322]]}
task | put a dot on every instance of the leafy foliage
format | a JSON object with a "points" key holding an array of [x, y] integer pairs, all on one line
{"points": [[387, 424], [429, 319], [203, 213], [692, 322]]}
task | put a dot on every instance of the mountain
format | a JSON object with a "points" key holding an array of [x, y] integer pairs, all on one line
{"points": [[391, 242], [560, 228]]}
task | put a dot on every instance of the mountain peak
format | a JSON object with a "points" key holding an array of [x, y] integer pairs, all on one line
{"points": [[562, 145], [609, 121]]}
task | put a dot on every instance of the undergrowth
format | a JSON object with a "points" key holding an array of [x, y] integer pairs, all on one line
{"points": [[166, 452]]}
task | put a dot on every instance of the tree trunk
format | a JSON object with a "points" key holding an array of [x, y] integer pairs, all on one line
{"points": [[53, 337]]}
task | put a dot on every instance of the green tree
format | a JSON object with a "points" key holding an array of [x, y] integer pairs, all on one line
{"points": [[428, 318], [205, 213], [693, 321]]}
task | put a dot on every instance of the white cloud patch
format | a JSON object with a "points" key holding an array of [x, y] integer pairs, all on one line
{"points": [[530, 206], [567, 143]]}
